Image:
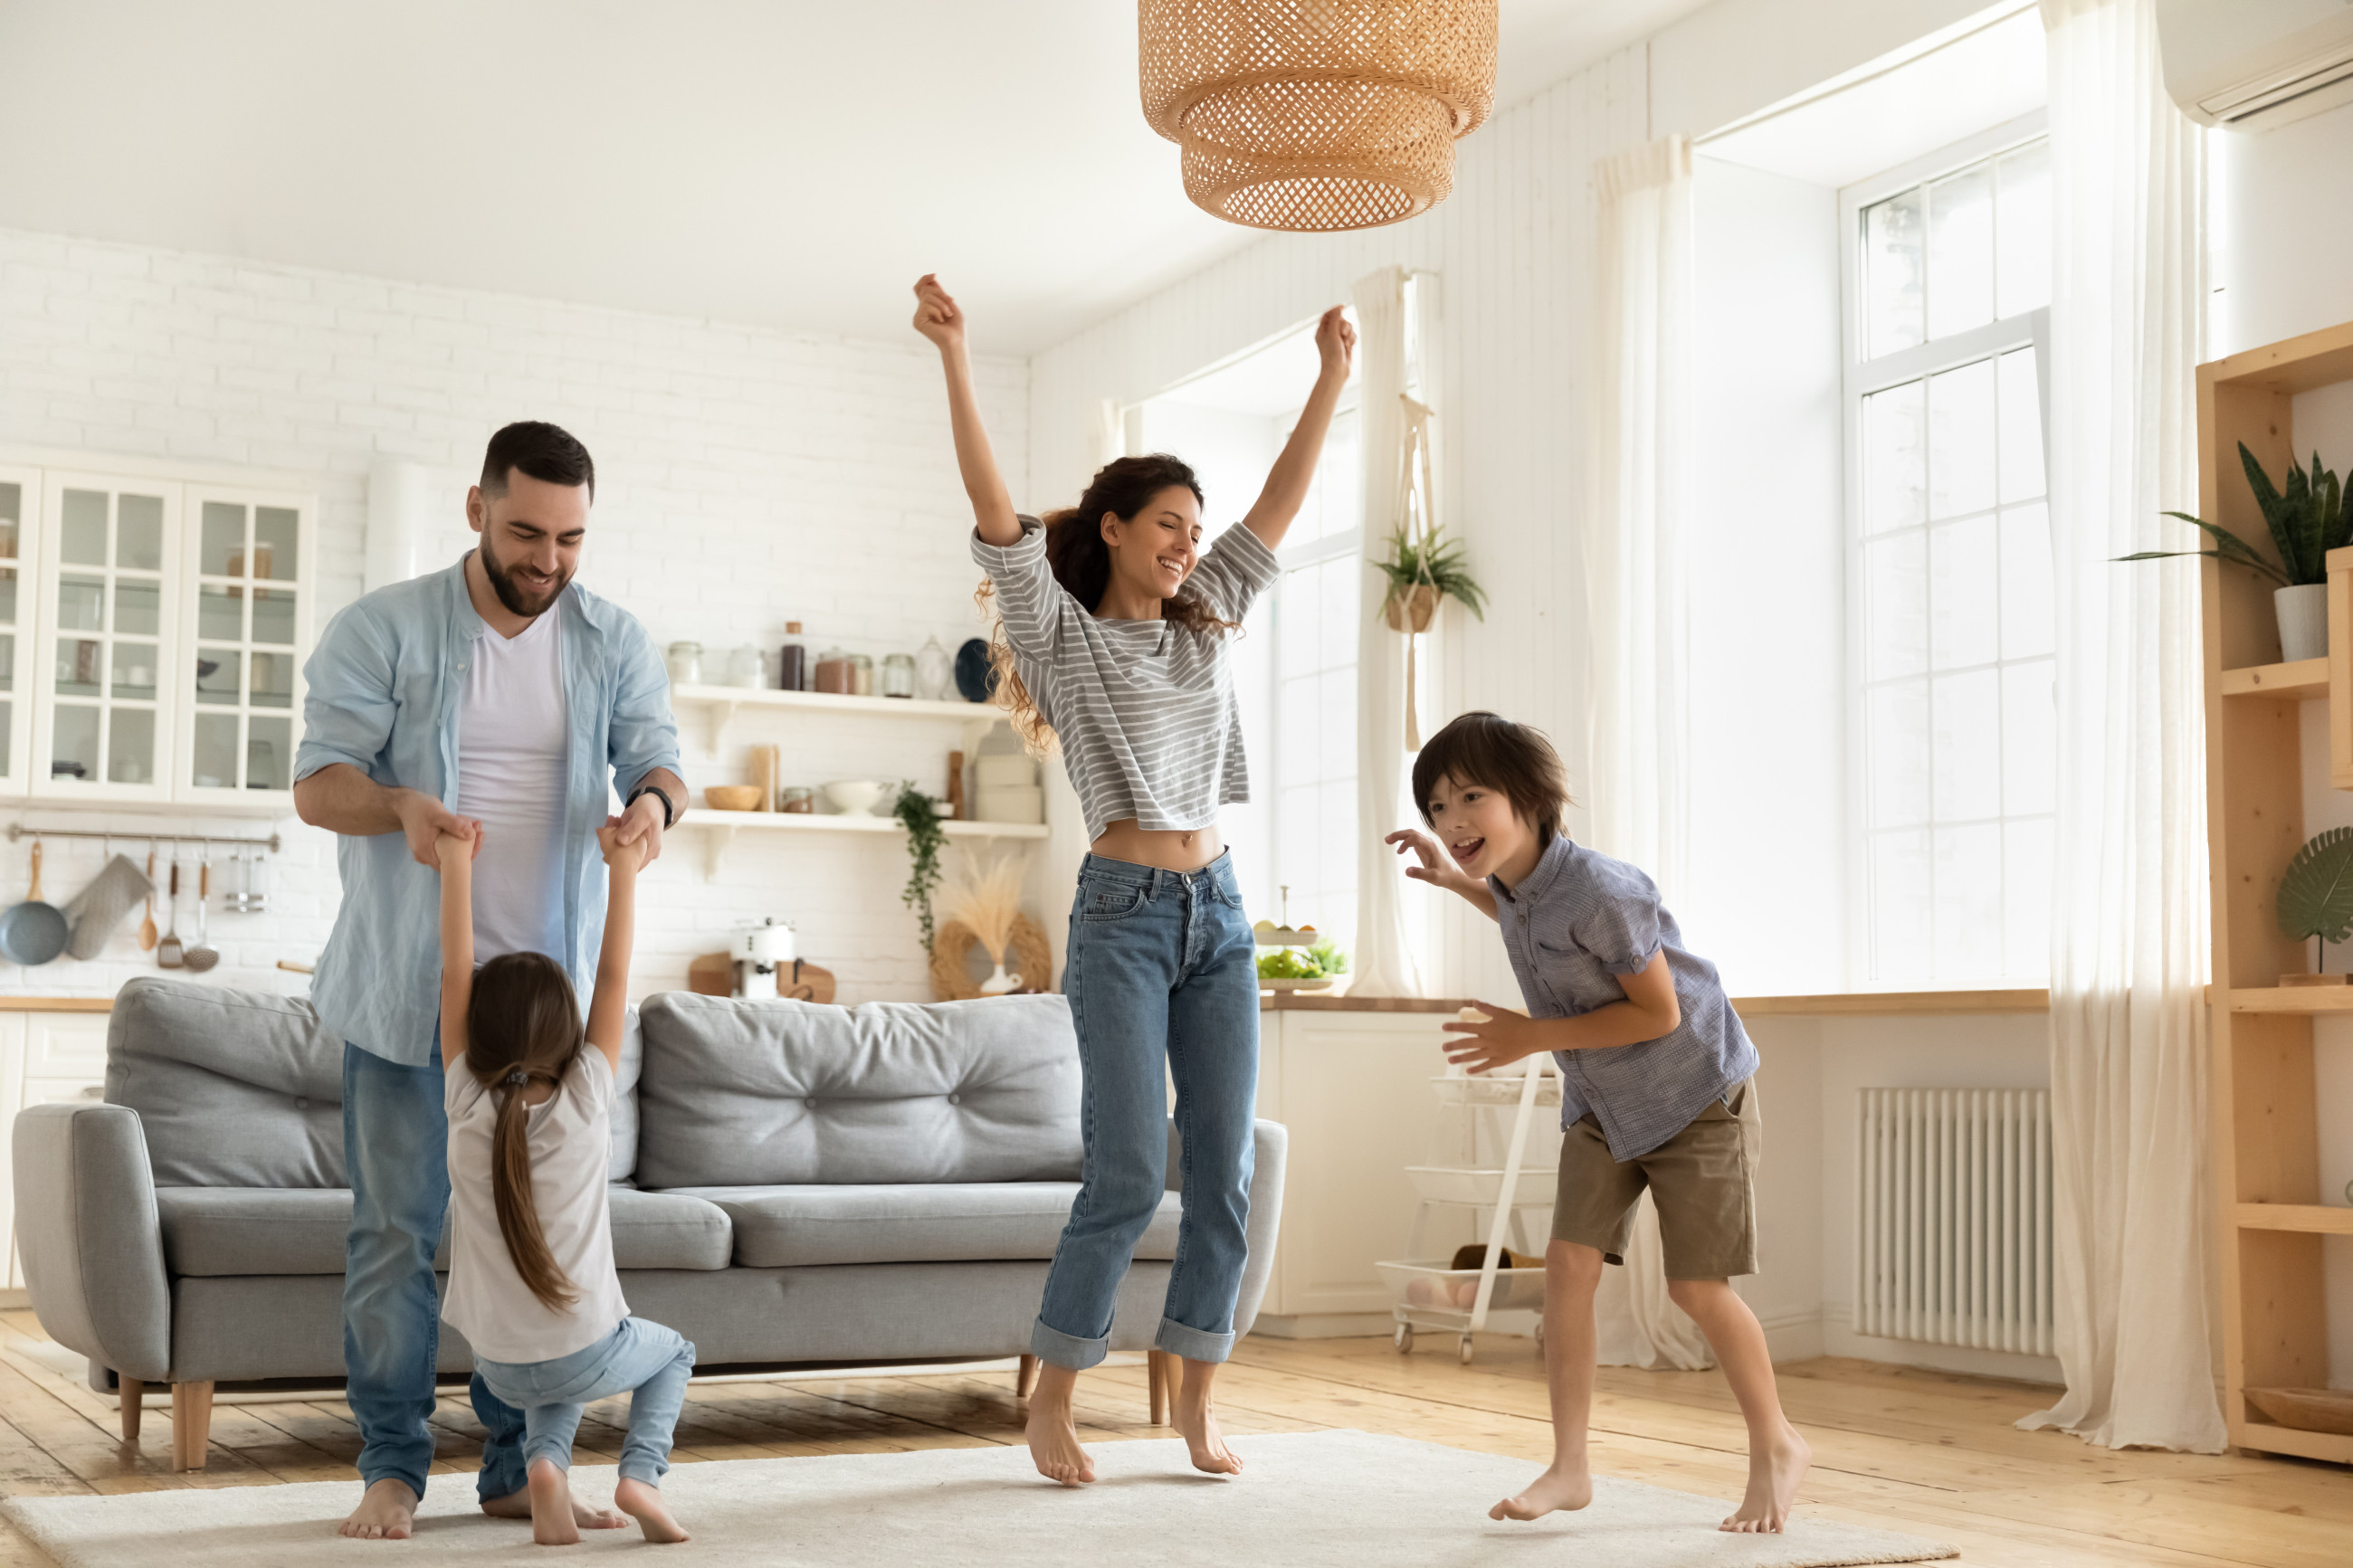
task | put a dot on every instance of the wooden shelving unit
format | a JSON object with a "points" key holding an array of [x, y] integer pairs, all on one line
{"points": [[2266, 1153]]}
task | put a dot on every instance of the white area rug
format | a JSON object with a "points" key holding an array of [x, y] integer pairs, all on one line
{"points": [[1346, 1499]]}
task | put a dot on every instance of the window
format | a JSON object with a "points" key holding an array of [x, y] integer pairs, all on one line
{"points": [[1947, 281]]}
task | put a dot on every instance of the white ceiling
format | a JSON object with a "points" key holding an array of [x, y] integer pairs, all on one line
{"points": [[791, 165]]}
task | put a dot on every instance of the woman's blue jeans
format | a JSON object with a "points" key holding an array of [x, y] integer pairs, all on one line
{"points": [[1161, 976], [647, 1358]]}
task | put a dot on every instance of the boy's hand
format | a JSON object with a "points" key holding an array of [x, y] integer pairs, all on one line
{"points": [[1503, 1037], [458, 847], [620, 856], [1436, 867]]}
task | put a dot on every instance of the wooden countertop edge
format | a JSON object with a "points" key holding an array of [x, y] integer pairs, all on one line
{"points": [[1860, 1003], [56, 1004]]}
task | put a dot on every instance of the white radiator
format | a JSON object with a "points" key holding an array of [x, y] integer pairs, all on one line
{"points": [[1953, 1217]]}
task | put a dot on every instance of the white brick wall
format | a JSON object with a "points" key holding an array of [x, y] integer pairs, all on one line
{"points": [[745, 477]]}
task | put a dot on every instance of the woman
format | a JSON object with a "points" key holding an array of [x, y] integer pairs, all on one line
{"points": [[1112, 638]]}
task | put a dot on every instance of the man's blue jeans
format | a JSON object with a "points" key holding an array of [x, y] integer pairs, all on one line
{"points": [[397, 1149], [647, 1358], [1161, 976]]}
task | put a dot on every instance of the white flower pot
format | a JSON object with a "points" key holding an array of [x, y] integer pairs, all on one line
{"points": [[2303, 621], [998, 983]]}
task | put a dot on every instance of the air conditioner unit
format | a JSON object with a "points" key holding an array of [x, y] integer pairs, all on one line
{"points": [[2249, 64]]}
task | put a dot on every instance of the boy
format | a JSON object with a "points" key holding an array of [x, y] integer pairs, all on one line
{"points": [[1656, 1091]]}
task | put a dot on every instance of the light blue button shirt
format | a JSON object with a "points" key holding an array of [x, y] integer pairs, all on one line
{"points": [[385, 687]]}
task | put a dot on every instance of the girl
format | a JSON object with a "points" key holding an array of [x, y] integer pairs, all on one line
{"points": [[531, 1284], [1112, 635]]}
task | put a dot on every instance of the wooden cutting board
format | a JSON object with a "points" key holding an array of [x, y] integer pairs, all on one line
{"points": [[713, 974]]}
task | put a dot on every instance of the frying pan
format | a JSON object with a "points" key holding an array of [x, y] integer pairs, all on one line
{"points": [[33, 932]]}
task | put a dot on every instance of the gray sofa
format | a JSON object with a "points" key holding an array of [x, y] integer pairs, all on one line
{"points": [[795, 1184]]}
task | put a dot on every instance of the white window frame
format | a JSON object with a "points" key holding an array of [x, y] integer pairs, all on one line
{"points": [[1858, 379]]}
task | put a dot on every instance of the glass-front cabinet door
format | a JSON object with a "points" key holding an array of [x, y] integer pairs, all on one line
{"points": [[246, 613], [108, 638], [20, 534]]}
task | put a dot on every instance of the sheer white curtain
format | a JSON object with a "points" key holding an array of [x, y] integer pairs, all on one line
{"points": [[2128, 954], [1384, 961], [1639, 792]]}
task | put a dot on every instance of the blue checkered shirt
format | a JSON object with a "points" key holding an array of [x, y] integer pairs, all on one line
{"points": [[1573, 927]]}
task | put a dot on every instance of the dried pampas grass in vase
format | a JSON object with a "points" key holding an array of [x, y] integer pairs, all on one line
{"points": [[984, 896]]}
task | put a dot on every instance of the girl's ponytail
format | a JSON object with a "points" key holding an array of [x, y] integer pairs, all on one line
{"points": [[518, 1206], [523, 1026]]}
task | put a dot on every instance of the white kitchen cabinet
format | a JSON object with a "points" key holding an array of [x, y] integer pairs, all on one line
{"points": [[45, 1058], [20, 533], [247, 611]]}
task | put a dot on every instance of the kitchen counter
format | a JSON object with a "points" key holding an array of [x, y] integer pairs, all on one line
{"points": [[56, 1004]]}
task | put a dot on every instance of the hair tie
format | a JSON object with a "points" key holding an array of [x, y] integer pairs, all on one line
{"points": [[518, 1078]]}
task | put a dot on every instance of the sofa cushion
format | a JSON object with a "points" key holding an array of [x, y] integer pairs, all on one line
{"points": [[760, 1094], [623, 1162], [266, 1231], [234, 1088], [911, 1222]]}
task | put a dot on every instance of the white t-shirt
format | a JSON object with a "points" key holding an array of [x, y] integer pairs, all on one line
{"points": [[511, 744], [570, 1138]]}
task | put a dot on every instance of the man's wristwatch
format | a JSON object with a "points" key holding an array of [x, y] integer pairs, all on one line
{"points": [[669, 811]]}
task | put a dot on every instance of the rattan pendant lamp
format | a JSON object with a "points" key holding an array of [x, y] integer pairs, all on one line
{"points": [[1317, 114]]}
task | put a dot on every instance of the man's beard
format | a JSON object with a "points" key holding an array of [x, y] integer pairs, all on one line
{"points": [[509, 592]]}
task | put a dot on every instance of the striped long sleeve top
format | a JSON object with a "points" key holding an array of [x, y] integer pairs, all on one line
{"points": [[1145, 711]]}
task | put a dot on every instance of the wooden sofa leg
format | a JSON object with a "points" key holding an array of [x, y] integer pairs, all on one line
{"points": [[1025, 1377], [1155, 1373], [192, 1422], [132, 1391]]}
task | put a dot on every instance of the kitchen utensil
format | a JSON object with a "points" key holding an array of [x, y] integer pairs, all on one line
{"points": [[147, 926], [204, 955], [854, 797], [732, 797], [167, 952], [95, 912], [33, 932]]}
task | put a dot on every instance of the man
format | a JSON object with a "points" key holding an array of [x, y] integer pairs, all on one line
{"points": [[494, 695]]}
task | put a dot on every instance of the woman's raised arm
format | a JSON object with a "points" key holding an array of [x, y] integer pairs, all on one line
{"points": [[938, 318], [1288, 482]]}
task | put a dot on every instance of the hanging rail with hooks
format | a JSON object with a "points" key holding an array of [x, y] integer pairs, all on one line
{"points": [[19, 830]]}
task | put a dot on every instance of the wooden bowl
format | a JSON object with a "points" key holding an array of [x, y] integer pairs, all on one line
{"points": [[732, 797]]}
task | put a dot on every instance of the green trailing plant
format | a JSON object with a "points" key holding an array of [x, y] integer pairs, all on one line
{"points": [[2316, 892], [920, 816], [1433, 560], [2307, 518]]}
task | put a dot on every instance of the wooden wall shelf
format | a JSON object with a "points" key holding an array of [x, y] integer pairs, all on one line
{"points": [[2266, 1137]]}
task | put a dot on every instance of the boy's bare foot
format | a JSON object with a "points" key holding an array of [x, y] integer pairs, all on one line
{"points": [[551, 1505], [517, 1505], [387, 1511], [1054, 1443], [644, 1504], [1774, 1474], [1564, 1486], [1197, 1425]]}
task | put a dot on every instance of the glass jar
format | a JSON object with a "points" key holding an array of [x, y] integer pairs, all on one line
{"points": [[744, 665], [934, 668], [899, 674], [792, 661], [797, 797], [833, 672], [686, 664], [862, 675]]}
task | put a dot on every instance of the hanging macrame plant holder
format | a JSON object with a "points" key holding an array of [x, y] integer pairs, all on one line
{"points": [[1410, 608]]}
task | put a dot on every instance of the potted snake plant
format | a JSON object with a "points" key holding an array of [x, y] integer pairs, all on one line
{"points": [[2307, 518]]}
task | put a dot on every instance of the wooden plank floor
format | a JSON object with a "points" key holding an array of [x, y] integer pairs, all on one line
{"points": [[1922, 1452]]}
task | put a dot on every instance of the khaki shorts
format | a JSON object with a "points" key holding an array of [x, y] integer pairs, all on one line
{"points": [[1702, 1180]]}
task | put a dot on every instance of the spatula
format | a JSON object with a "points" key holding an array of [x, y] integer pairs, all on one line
{"points": [[204, 955], [147, 926], [168, 954]]}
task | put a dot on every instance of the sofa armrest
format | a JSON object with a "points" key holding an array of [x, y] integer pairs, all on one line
{"points": [[92, 1240], [1271, 1145]]}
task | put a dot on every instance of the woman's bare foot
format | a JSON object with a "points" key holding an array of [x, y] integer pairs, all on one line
{"points": [[1196, 1423], [1054, 1442], [644, 1504], [517, 1505], [387, 1511], [1567, 1485], [1774, 1474], [551, 1505]]}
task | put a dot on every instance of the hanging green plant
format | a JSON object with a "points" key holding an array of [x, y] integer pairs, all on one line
{"points": [[2316, 892], [1419, 571], [920, 816]]}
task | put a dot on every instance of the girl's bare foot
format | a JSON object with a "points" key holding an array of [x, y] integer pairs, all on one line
{"points": [[1196, 1423], [1054, 1442], [551, 1505], [387, 1511], [1567, 1485], [1774, 1474], [644, 1504], [517, 1505]]}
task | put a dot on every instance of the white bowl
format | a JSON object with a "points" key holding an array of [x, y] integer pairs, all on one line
{"points": [[856, 797]]}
